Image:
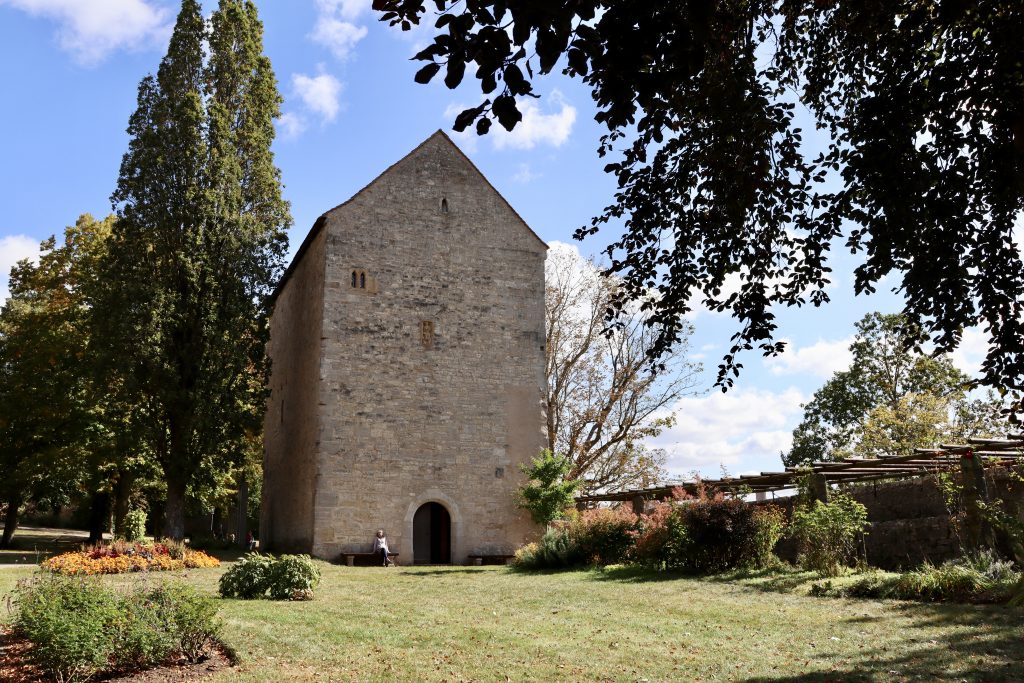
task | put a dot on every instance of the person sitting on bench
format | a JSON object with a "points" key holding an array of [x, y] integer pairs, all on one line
{"points": [[380, 546]]}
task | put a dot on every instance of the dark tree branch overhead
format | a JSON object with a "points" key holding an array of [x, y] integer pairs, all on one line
{"points": [[923, 103]]}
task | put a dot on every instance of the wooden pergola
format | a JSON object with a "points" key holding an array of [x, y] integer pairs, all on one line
{"points": [[978, 453]]}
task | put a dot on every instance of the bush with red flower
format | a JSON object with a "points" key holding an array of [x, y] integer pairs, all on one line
{"points": [[703, 534]]}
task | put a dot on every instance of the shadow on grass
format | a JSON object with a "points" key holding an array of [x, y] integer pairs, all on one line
{"points": [[631, 574], [227, 554], [770, 580], [978, 644], [32, 545], [414, 570]]}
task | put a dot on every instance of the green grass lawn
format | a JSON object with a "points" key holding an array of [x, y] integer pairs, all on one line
{"points": [[492, 624]]}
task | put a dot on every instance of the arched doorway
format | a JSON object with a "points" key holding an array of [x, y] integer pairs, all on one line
{"points": [[432, 535]]}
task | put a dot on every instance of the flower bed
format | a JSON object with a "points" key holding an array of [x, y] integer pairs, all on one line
{"points": [[121, 558]]}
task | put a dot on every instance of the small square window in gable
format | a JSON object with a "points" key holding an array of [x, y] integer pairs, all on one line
{"points": [[427, 333]]}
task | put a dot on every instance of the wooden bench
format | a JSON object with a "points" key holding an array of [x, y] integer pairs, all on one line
{"points": [[366, 559], [490, 559]]}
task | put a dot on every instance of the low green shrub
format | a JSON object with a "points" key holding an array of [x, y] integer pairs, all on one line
{"points": [[191, 617], [70, 623], [293, 577], [597, 537], [79, 628], [828, 533], [288, 577], [525, 557], [175, 549], [248, 578], [135, 525], [769, 528], [979, 578], [992, 566], [949, 581], [144, 632], [1017, 594], [557, 549]]}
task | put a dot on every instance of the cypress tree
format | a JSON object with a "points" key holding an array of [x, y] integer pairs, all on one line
{"points": [[199, 241]]}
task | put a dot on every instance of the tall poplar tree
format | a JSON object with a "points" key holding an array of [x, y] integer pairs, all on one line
{"points": [[199, 241]]}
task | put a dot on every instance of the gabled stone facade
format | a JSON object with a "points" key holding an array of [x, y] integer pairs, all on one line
{"points": [[407, 342]]}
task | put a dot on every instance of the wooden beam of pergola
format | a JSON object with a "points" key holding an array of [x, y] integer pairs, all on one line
{"points": [[920, 462]]}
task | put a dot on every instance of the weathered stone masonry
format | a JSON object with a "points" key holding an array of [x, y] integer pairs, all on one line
{"points": [[909, 521], [422, 382]]}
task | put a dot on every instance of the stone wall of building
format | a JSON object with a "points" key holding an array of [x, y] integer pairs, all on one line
{"points": [[432, 373], [292, 426]]}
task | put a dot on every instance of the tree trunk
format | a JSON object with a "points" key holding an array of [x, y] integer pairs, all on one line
{"points": [[99, 517], [122, 499], [174, 511], [241, 512], [819, 487], [10, 521], [217, 523], [973, 478]]}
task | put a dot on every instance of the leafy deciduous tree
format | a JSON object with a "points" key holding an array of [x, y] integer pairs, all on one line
{"points": [[923, 167], [602, 400], [50, 414], [889, 400]]}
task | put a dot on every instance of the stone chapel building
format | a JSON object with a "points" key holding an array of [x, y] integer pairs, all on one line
{"points": [[407, 341]]}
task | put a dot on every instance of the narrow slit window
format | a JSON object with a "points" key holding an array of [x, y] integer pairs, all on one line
{"points": [[353, 278], [444, 205], [362, 280], [427, 333]]}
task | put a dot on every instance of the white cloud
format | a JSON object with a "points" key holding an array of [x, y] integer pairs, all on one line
{"points": [[340, 37], [822, 359], [536, 128], [292, 125], [739, 429], [346, 9], [524, 174], [92, 29], [335, 26], [971, 352], [320, 94], [14, 248]]}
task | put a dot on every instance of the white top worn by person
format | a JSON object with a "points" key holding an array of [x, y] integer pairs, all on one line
{"points": [[380, 547]]}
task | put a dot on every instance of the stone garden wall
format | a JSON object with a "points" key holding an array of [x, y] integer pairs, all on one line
{"points": [[909, 520]]}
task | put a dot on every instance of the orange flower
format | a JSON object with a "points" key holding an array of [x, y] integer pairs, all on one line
{"points": [[88, 563]]}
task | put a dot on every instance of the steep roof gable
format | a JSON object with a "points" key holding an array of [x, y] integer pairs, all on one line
{"points": [[318, 225]]}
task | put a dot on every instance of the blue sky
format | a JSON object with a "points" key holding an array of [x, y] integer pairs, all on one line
{"points": [[69, 71]]}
